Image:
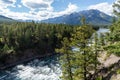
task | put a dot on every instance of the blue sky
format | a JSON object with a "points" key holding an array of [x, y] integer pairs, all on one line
{"points": [[44, 9]]}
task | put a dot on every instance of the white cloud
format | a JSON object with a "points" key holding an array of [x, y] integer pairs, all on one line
{"points": [[19, 6], [51, 14], [44, 14], [45, 10], [6, 3], [70, 9], [38, 4], [104, 7], [39, 10]]}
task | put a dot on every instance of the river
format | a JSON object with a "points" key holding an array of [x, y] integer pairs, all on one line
{"points": [[39, 69], [102, 30]]}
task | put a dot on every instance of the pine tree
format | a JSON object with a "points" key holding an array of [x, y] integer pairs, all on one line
{"points": [[102, 39], [116, 9], [66, 60], [77, 64], [114, 35], [83, 57], [83, 20], [96, 47], [95, 50]]}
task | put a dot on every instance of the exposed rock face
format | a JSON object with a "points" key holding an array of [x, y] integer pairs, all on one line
{"points": [[111, 65]]}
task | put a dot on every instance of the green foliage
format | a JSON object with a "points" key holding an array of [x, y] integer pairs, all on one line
{"points": [[77, 64], [116, 9], [102, 39], [113, 48], [66, 59], [99, 78], [115, 32], [83, 20], [5, 48], [95, 49], [21, 36], [118, 71], [114, 39]]}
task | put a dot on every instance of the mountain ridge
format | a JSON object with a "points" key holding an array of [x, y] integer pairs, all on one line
{"points": [[92, 16], [4, 19]]}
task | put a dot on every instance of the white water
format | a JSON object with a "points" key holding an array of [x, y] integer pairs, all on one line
{"points": [[102, 30], [45, 69]]}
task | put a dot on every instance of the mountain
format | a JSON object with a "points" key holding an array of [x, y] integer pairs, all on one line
{"points": [[5, 19], [92, 16]]}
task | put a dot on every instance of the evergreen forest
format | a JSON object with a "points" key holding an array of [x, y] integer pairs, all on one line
{"points": [[79, 46]]}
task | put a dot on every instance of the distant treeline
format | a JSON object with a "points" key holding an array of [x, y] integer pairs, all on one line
{"points": [[41, 37], [17, 37]]}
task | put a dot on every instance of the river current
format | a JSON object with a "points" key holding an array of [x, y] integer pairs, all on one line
{"points": [[39, 69]]}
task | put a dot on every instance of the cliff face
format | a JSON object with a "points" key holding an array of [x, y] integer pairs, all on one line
{"points": [[111, 66]]}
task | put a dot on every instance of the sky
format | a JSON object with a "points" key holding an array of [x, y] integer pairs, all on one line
{"points": [[44, 9]]}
